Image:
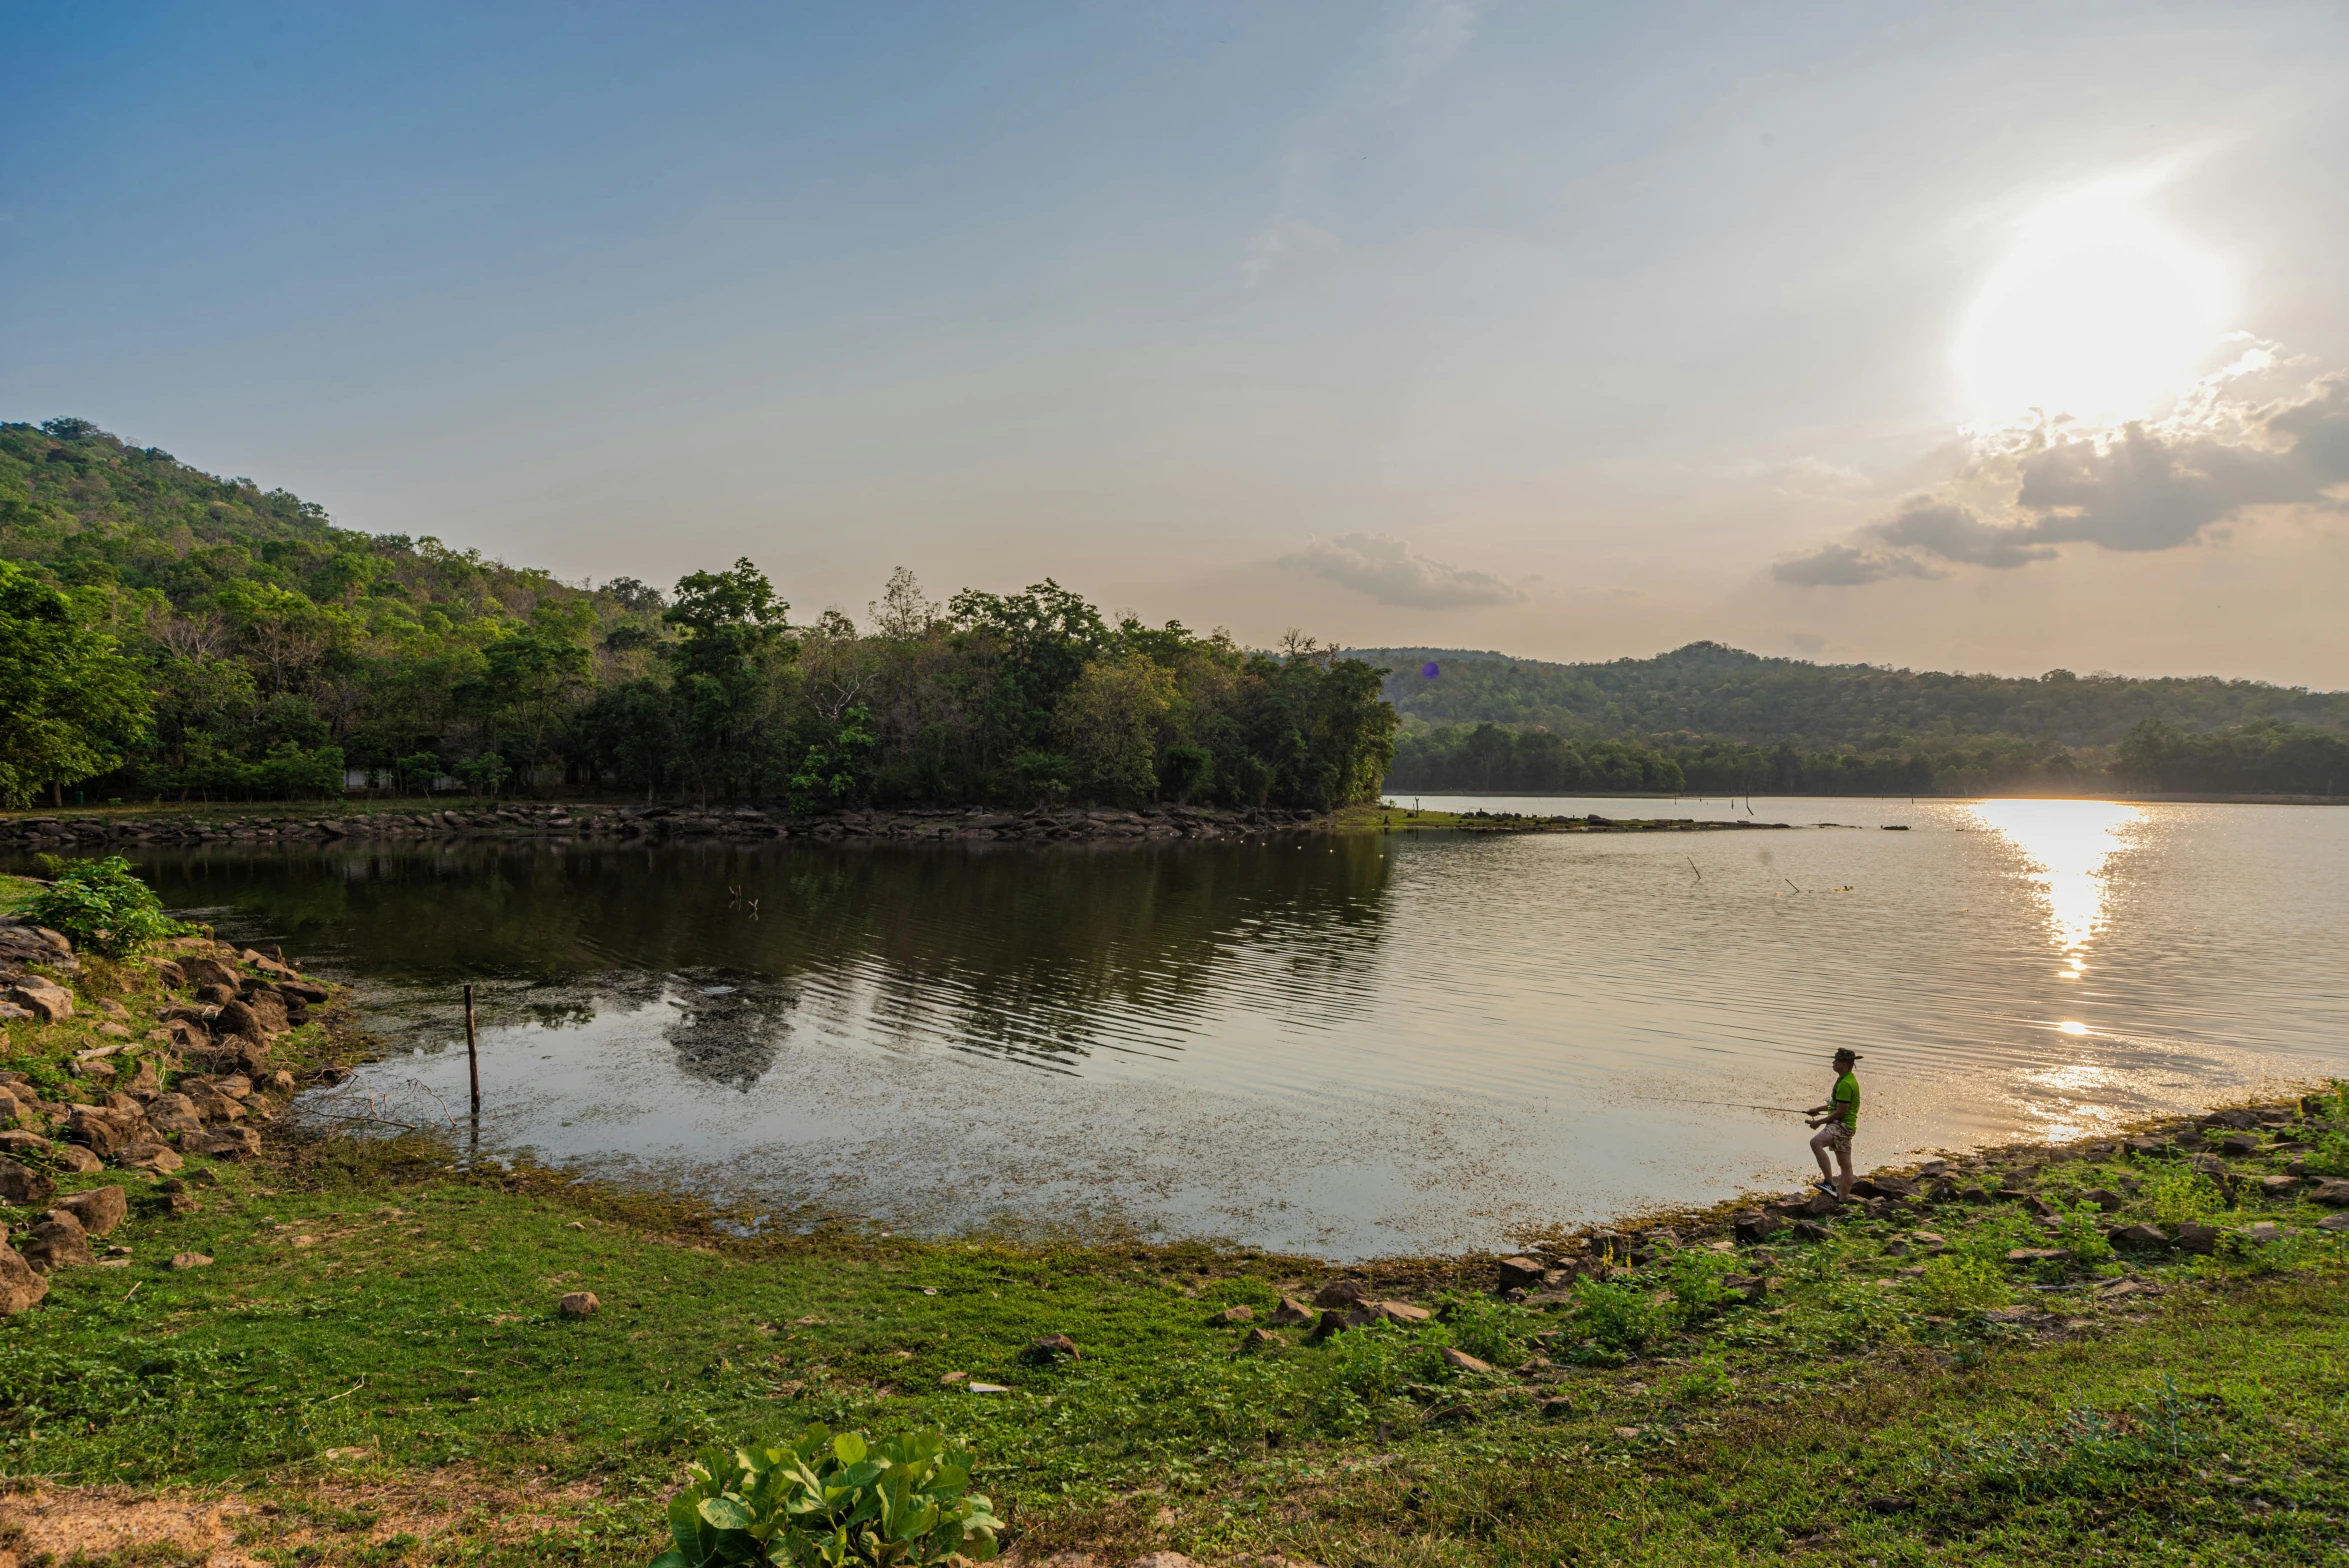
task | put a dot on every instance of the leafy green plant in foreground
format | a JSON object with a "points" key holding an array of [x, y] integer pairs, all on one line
{"points": [[825, 1501], [102, 905], [1955, 1283]]}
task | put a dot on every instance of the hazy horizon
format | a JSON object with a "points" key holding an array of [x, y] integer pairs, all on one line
{"points": [[1993, 339]]}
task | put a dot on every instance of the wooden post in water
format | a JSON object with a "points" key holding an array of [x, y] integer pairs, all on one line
{"points": [[472, 1051]]}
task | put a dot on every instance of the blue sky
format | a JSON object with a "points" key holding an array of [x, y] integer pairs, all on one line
{"points": [[1576, 331]]}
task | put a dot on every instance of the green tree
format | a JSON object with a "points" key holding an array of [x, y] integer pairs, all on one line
{"points": [[69, 702]]}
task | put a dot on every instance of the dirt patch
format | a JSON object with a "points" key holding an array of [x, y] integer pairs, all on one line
{"points": [[232, 1529]]}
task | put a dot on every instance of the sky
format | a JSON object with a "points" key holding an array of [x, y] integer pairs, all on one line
{"points": [[1982, 336]]}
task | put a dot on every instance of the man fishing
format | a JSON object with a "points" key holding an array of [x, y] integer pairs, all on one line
{"points": [[1839, 1119]]}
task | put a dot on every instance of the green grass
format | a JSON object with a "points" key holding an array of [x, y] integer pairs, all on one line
{"points": [[16, 892], [414, 1339]]}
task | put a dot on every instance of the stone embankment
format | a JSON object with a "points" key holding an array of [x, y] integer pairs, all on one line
{"points": [[189, 1075], [649, 824]]}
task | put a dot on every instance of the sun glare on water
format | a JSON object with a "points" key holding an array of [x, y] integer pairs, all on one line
{"points": [[2100, 311]]}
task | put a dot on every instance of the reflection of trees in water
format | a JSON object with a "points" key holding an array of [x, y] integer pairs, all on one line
{"points": [[1042, 954]]}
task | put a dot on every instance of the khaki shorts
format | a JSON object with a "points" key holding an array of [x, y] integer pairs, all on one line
{"points": [[1838, 1138]]}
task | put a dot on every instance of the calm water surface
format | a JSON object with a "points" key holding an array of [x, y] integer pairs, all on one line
{"points": [[1351, 1047]]}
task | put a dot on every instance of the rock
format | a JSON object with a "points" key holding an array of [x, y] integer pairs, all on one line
{"points": [[1052, 1347], [1291, 1312], [22, 1185], [2330, 1190], [239, 1019], [1235, 1315], [2239, 1147], [21, 1285], [2239, 1120], [1332, 1322], [1819, 1205], [17, 1141], [1810, 1230], [1400, 1313], [1522, 1273], [46, 1000], [2277, 1186], [146, 1083], [1753, 1287], [222, 1143], [1930, 1241], [75, 1158], [1341, 1293], [209, 971], [169, 974], [269, 1011], [190, 1260], [1610, 1246], [1165, 1560], [148, 1156], [183, 1203], [2334, 1222], [174, 1113], [2192, 1237], [101, 1130], [1943, 1190], [2035, 1254], [1881, 1186], [2106, 1199], [99, 1209], [579, 1304], [1753, 1229], [187, 1034], [2137, 1236], [952, 1378], [307, 992], [1461, 1361], [57, 1242]]}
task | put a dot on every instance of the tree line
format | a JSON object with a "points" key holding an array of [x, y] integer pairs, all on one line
{"points": [[1707, 689], [166, 633], [2260, 758]]}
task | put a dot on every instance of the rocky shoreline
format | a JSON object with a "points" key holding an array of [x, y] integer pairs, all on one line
{"points": [[193, 1071], [632, 824]]}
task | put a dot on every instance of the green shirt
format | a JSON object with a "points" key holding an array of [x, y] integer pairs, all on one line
{"points": [[1846, 1100]]}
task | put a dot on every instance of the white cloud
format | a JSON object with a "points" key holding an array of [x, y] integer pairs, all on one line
{"points": [[2149, 485], [1383, 567]]}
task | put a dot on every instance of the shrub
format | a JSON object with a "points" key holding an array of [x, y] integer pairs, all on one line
{"points": [[2081, 1233], [1955, 1283], [102, 906], [1613, 1320], [1697, 1291], [824, 1501], [2180, 1194], [1489, 1329]]}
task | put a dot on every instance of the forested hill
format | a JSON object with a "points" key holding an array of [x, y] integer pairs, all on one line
{"points": [[167, 633], [1711, 690]]}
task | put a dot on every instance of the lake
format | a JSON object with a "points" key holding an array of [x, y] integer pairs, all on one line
{"points": [[1345, 1046]]}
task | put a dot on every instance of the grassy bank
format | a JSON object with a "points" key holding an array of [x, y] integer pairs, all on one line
{"points": [[372, 1366]]}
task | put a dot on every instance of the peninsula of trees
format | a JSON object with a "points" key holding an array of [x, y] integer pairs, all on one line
{"points": [[168, 634]]}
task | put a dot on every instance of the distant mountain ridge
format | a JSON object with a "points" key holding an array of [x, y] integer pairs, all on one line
{"points": [[1710, 689]]}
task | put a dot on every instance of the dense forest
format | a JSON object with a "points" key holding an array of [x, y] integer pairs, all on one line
{"points": [[1708, 689], [168, 634], [1713, 720]]}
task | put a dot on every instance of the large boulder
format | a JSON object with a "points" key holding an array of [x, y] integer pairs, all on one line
{"points": [[222, 1143], [21, 1285], [239, 1019], [58, 1242], [209, 971], [174, 1113], [22, 1185], [45, 999], [1521, 1273], [1341, 1293], [99, 1209], [99, 1129]]}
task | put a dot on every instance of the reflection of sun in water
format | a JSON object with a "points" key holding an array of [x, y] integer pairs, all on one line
{"points": [[2068, 843]]}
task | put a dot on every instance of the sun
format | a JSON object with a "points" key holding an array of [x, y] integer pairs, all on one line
{"points": [[2100, 311]]}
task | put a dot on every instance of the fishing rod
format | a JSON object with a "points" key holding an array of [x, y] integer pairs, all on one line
{"points": [[1735, 1105]]}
